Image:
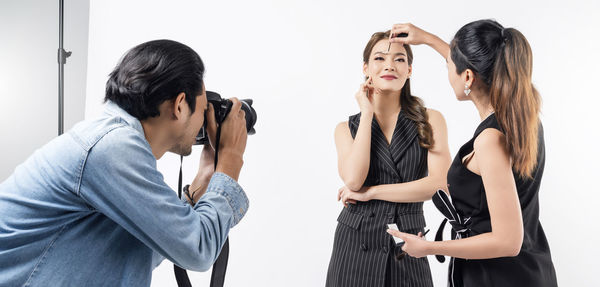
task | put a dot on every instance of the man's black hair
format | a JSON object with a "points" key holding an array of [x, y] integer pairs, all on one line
{"points": [[154, 72]]}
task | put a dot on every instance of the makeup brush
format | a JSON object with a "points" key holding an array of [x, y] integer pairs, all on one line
{"points": [[403, 35]]}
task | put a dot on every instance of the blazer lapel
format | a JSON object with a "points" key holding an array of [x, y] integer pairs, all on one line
{"points": [[403, 138], [380, 146]]}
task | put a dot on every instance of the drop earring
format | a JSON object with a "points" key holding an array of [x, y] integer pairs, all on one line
{"points": [[467, 90]]}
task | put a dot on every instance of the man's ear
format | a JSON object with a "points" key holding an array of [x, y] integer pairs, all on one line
{"points": [[178, 106]]}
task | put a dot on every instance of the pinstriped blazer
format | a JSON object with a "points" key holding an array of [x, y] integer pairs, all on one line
{"points": [[362, 251]]}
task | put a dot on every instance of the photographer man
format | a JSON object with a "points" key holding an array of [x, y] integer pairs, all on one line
{"points": [[90, 207]]}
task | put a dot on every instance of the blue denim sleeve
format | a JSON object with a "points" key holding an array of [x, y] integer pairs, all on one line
{"points": [[120, 180], [221, 185]]}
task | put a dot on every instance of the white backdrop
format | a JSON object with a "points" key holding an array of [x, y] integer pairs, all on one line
{"points": [[301, 63]]}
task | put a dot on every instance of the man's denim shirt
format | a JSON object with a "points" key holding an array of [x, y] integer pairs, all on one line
{"points": [[91, 209]]}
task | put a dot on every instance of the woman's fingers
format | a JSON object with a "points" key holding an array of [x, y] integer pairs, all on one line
{"points": [[411, 34], [345, 195], [398, 29], [369, 83], [399, 35], [398, 234]]}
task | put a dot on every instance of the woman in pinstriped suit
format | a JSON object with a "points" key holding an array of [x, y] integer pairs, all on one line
{"points": [[392, 156]]}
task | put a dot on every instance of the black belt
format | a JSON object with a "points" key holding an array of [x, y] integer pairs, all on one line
{"points": [[460, 229]]}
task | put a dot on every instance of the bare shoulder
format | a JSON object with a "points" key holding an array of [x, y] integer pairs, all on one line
{"points": [[435, 116], [342, 130], [490, 142], [436, 119], [342, 127], [434, 113]]}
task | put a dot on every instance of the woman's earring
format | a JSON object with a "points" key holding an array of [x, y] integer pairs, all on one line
{"points": [[467, 90]]}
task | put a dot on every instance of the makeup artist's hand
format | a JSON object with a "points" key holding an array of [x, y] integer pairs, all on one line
{"points": [[414, 245], [416, 36], [364, 97], [348, 196]]}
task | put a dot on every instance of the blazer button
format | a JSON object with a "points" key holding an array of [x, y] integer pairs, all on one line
{"points": [[372, 214], [390, 216], [363, 246], [384, 249]]}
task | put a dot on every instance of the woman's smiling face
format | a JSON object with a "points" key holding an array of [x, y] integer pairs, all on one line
{"points": [[388, 70]]}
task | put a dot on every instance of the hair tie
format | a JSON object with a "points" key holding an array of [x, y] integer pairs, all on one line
{"points": [[502, 35]]}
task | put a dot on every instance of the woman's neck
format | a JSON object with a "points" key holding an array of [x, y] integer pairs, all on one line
{"points": [[483, 105], [386, 104]]}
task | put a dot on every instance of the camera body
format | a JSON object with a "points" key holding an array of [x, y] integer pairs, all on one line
{"points": [[222, 108]]}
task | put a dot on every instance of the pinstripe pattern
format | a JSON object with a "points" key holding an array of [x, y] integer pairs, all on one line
{"points": [[362, 250]]}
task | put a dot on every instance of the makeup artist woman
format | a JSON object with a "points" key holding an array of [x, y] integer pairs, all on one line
{"points": [[495, 177]]}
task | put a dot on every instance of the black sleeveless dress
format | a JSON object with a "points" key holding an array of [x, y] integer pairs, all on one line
{"points": [[533, 265], [363, 250]]}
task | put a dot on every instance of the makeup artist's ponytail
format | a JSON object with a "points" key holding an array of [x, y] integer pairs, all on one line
{"points": [[501, 59]]}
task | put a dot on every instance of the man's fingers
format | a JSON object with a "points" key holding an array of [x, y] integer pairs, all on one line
{"points": [[211, 124], [237, 105], [210, 117]]}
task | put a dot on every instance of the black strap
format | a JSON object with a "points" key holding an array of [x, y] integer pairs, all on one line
{"points": [[217, 278], [180, 274], [219, 269], [439, 236]]}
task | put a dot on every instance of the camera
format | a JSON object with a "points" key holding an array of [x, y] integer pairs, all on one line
{"points": [[222, 107]]}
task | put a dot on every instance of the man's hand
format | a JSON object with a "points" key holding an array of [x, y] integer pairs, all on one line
{"points": [[233, 141], [205, 172]]}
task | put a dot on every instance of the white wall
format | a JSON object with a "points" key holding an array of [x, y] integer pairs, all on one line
{"points": [[301, 63], [29, 74]]}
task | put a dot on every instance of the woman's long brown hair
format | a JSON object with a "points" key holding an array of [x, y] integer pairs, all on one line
{"points": [[412, 106], [501, 58]]}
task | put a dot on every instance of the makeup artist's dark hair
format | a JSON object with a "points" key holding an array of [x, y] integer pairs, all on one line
{"points": [[154, 72], [502, 62], [412, 106]]}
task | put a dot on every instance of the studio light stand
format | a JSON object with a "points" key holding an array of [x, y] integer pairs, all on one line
{"points": [[62, 60]]}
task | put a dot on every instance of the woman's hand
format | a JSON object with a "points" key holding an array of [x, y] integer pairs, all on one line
{"points": [[418, 36], [347, 195], [415, 35], [364, 96], [414, 245]]}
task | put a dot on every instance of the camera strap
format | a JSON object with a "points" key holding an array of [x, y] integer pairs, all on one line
{"points": [[217, 278]]}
